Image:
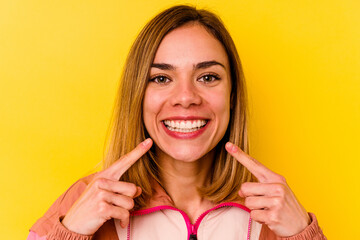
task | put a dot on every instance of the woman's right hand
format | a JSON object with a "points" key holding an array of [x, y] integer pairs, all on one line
{"points": [[106, 197]]}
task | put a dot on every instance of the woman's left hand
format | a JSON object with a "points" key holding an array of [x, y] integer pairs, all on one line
{"points": [[270, 200]]}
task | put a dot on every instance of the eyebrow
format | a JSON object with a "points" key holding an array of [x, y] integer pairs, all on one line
{"points": [[200, 65]]}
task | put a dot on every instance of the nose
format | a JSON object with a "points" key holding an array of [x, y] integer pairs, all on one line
{"points": [[185, 94]]}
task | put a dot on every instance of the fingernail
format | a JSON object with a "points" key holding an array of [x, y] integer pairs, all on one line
{"points": [[231, 147], [146, 142], [123, 225], [138, 192]]}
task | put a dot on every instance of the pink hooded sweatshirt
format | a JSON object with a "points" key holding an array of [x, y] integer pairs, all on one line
{"points": [[161, 220]]}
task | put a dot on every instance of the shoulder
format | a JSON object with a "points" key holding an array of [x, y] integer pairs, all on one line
{"points": [[61, 205]]}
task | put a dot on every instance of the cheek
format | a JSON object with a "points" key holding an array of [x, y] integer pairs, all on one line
{"points": [[220, 102], [151, 107]]}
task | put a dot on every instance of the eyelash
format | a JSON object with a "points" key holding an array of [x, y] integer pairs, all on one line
{"points": [[214, 77], [154, 79]]}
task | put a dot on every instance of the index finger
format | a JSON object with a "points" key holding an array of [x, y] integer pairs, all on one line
{"points": [[125, 162], [262, 173]]}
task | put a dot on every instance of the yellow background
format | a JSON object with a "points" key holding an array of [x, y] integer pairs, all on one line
{"points": [[60, 62]]}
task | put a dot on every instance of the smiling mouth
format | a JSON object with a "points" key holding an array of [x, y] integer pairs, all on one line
{"points": [[185, 126]]}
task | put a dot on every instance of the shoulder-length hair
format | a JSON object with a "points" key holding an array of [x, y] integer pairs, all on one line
{"points": [[127, 127]]}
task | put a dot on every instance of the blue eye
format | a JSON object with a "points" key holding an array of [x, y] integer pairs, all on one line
{"points": [[209, 78], [160, 79]]}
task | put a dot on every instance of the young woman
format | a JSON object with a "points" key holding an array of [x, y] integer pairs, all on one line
{"points": [[177, 164]]}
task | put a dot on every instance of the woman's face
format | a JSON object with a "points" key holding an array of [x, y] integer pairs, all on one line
{"points": [[186, 105]]}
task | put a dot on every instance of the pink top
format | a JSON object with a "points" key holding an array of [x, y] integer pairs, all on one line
{"points": [[49, 226]]}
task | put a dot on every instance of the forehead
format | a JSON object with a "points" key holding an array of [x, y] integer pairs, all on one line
{"points": [[190, 44]]}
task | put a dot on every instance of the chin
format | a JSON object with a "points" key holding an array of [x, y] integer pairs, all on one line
{"points": [[185, 158], [186, 154]]}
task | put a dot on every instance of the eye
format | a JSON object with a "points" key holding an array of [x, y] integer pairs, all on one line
{"points": [[209, 78], [160, 79]]}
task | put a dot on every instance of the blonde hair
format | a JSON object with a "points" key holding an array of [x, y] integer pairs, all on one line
{"points": [[127, 128]]}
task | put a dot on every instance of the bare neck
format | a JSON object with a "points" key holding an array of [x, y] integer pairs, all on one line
{"points": [[182, 179]]}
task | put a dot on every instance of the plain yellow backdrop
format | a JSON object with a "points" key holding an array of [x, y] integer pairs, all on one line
{"points": [[60, 62]]}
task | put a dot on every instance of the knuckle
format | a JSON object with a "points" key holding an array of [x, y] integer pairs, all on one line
{"points": [[280, 190], [278, 202], [130, 204], [102, 194], [126, 203], [103, 209], [100, 182], [262, 177], [124, 157]]}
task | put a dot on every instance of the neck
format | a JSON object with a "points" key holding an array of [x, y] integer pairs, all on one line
{"points": [[181, 181]]}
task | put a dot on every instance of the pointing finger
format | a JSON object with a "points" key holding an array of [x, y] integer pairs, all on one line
{"points": [[262, 173], [124, 163]]}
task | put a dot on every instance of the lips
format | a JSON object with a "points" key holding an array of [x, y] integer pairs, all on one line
{"points": [[185, 128]]}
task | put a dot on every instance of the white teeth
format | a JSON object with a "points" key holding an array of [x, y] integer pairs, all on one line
{"points": [[184, 126]]}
